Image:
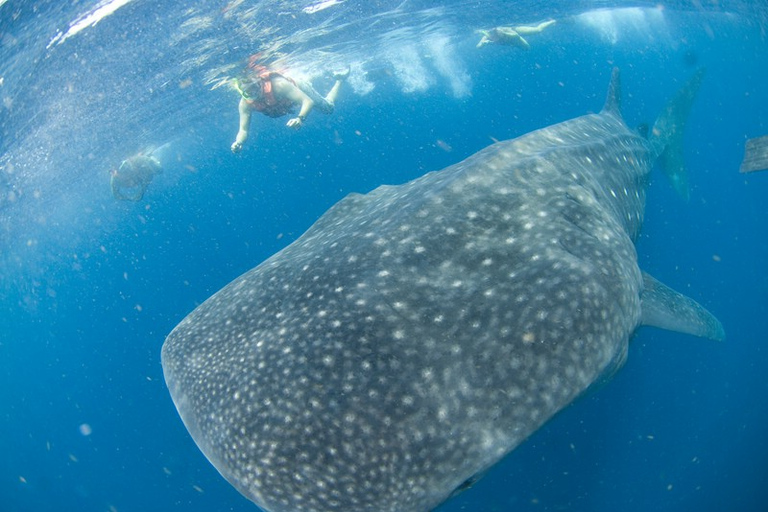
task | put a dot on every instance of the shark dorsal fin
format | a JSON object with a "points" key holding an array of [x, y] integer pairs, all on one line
{"points": [[613, 99]]}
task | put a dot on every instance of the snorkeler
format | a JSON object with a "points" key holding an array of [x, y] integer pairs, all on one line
{"points": [[131, 179], [511, 36], [275, 95]]}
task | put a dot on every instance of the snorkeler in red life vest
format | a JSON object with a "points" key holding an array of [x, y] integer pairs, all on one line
{"points": [[275, 95], [264, 99]]}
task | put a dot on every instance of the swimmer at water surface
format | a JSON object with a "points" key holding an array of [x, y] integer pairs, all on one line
{"points": [[511, 36]]}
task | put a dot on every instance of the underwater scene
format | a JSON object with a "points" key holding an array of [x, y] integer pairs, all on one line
{"points": [[411, 255]]}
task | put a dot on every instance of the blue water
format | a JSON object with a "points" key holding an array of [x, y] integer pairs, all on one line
{"points": [[90, 286]]}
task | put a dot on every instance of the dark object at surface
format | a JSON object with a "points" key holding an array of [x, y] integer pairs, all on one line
{"points": [[755, 155]]}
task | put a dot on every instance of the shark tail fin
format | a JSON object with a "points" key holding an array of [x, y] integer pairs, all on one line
{"points": [[665, 308], [667, 134], [613, 98]]}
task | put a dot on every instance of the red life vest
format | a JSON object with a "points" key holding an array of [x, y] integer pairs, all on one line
{"points": [[267, 103]]}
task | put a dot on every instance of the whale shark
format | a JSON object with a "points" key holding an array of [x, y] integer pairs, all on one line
{"points": [[415, 335]]}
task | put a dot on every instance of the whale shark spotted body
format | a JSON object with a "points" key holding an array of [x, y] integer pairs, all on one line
{"points": [[415, 335]]}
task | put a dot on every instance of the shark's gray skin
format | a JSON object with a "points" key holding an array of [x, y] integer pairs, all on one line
{"points": [[415, 335]]}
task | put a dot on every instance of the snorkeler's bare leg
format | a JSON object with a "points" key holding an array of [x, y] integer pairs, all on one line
{"points": [[520, 42], [333, 93], [536, 29], [340, 76]]}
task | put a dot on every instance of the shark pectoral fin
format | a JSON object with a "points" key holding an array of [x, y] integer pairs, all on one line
{"points": [[665, 308]]}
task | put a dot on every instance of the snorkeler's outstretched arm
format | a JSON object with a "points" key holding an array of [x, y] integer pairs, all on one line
{"points": [[288, 90], [116, 193], [245, 123]]}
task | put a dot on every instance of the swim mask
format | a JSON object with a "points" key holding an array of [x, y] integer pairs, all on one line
{"points": [[249, 89]]}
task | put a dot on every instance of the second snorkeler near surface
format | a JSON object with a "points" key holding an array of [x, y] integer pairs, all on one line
{"points": [[129, 182], [275, 95], [511, 36]]}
